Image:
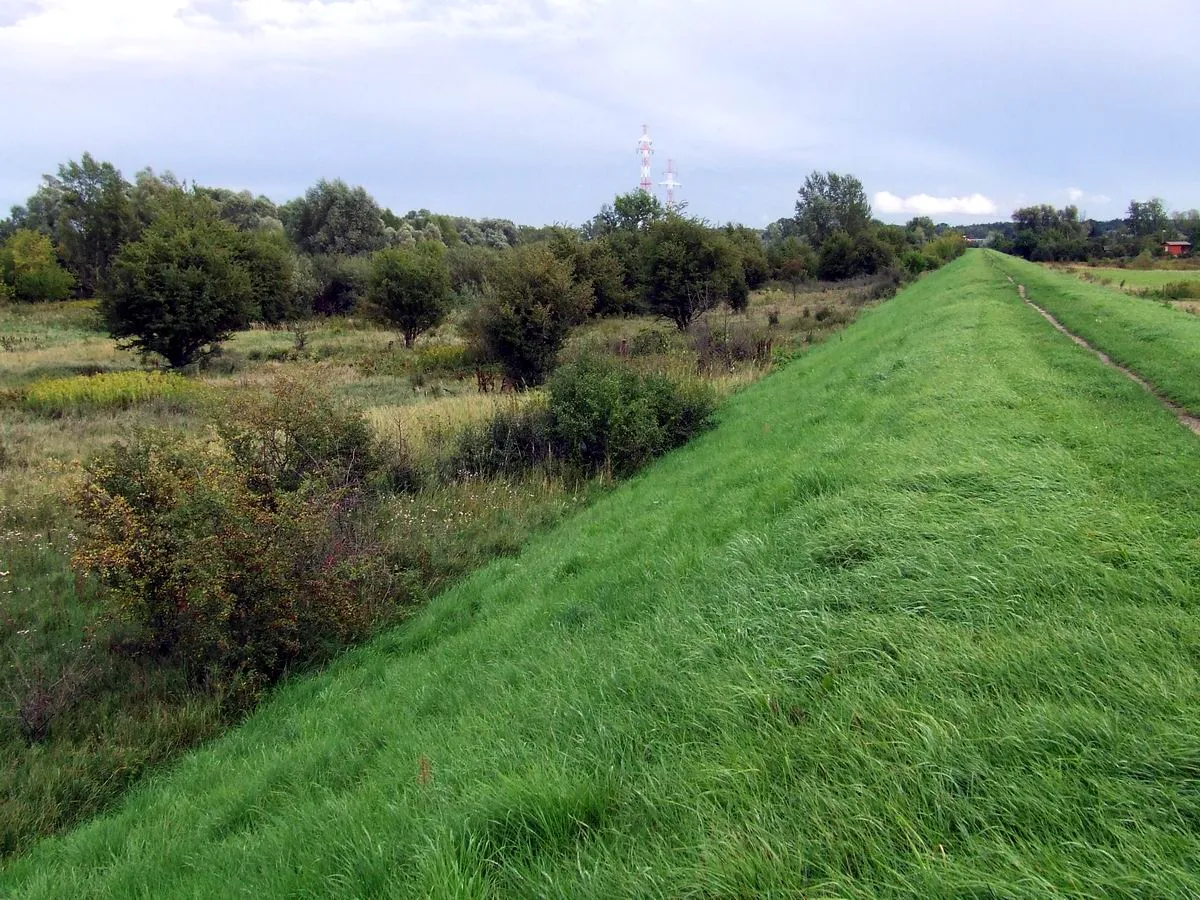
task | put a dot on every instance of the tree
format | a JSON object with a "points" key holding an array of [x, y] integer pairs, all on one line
{"points": [[594, 264], [632, 211], [341, 283], [690, 269], [334, 218], [1045, 234], [920, 229], [871, 254], [183, 288], [837, 257], [30, 271], [275, 293], [828, 203], [95, 218], [793, 261], [1149, 219], [752, 255], [532, 304], [410, 288], [1188, 224]]}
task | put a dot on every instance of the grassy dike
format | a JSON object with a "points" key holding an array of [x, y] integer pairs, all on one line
{"points": [[918, 618], [1159, 342]]}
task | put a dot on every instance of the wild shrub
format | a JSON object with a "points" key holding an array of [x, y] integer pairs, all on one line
{"points": [[914, 262], [947, 248], [533, 303], [293, 433], [1181, 290], [603, 414], [39, 699], [409, 288], [29, 269], [598, 414], [724, 347], [236, 557], [649, 342], [513, 440]]}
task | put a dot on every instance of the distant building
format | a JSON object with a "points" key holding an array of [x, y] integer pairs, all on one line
{"points": [[1176, 248]]}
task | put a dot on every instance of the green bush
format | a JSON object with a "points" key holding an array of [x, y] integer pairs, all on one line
{"points": [[533, 302], [603, 414], [29, 269], [409, 288], [649, 342], [236, 558], [1178, 290], [598, 414], [513, 440], [294, 433], [914, 262]]}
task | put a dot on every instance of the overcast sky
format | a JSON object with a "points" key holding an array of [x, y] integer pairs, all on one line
{"points": [[531, 109]]}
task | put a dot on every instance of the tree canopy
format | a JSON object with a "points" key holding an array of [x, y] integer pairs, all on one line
{"points": [[410, 288], [184, 287], [29, 269], [334, 218], [828, 203], [689, 269]]}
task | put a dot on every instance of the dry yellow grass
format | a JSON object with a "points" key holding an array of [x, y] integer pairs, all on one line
{"points": [[420, 424]]}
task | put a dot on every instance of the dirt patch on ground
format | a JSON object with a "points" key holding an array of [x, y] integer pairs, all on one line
{"points": [[1186, 418]]}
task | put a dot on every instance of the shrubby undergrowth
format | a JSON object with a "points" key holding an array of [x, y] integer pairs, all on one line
{"points": [[597, 415], [239, 555]]}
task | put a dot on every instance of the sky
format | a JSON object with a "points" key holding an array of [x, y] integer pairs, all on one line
{"points": [[531, 109]]}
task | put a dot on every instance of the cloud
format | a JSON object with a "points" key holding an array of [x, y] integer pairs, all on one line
{"points": [[186, 32], [1078, 195], [925, 205], [530, 107]]}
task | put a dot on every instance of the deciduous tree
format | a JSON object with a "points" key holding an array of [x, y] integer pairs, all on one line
{"points": [[183, 288], [29, 268], [689, 269], [533, 302], [410, 288], [829, 203]]}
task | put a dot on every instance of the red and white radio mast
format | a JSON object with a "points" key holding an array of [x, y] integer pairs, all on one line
{"points": [[646, 150], [670, 184]]}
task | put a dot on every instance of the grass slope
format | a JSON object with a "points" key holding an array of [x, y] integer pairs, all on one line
{"points": [[1138, 278], [918, 619], [1160, 343]]}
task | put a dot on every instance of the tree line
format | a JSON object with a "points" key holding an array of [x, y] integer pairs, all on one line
{"points": [[1044, 233], [177, 268]]}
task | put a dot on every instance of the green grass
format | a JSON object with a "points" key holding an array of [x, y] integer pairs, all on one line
{"points": [[1137, 278], [113, 718], [917, 619], [1159, 342]]}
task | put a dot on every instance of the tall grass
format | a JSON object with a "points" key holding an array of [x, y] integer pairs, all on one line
{"points": [[917, 619], [1160, 343], [113, 390]]}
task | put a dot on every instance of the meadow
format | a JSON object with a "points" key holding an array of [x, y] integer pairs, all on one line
{"points": [[1157, 341], [1134, 279], [918, 618], [79, 724]]}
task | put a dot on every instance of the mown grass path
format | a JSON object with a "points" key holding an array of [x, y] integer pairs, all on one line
{"points": [[918, 619], [1159, 343]]}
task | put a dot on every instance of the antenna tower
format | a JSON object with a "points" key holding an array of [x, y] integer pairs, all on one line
{"points": [[670, 184], [645, 149]]}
